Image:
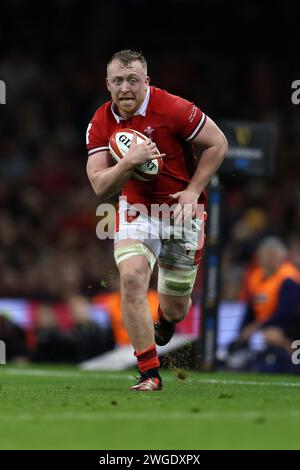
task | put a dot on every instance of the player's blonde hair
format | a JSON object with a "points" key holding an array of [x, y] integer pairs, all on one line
{"points": [[126, 56]]}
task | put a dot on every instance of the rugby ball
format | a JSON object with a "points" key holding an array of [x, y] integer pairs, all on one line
{"points": [[119, 144]]}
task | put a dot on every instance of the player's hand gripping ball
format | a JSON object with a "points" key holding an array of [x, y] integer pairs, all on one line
{"points": [[119, 144]]}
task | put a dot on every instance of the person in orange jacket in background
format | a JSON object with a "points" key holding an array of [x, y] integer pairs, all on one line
{"points": [[273, 297]]}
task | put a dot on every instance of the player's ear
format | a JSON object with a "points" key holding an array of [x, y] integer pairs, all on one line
{"points": [[147, 80], [107, 84]]}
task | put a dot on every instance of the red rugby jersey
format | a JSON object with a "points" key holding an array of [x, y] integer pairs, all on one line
{"points": [[172, 123]]}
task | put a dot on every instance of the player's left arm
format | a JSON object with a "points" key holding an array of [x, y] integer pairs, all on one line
{"points": [[212, 145]]}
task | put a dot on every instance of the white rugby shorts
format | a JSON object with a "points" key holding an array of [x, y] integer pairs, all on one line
{"points": [[177, 246]]}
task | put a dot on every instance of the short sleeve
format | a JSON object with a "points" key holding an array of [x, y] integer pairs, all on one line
{"points": [[96, 140], [188, 119]]}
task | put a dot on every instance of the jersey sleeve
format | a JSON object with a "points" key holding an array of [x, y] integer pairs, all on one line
{"points": [[96, 139], [188, 119]]}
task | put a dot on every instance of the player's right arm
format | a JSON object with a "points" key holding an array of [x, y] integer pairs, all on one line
{"points": [[105, 177], [108, 178]]}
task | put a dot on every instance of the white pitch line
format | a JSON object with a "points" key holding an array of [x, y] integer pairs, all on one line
{"points": [[116, 375], [248, 382], [68, 374], [60, 374], [39, 373]]}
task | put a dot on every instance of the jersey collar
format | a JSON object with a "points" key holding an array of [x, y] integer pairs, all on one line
{"points": [[141, 111]]}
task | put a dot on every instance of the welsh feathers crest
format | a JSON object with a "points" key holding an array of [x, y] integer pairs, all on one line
{"points": [[149, 131]]}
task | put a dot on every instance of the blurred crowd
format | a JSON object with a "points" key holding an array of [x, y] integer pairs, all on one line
{"points": [[54, 72], [56, 333]]}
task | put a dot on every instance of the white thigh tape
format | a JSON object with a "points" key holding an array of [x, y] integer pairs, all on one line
{"points": [[135, 249], [176, 282]]}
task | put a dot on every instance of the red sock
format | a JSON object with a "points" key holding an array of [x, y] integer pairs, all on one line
{"points": [[147, 359]]}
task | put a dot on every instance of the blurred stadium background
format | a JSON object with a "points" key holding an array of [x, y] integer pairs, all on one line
{"points": [[59, 299]]}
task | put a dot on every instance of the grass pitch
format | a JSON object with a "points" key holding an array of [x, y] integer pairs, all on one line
{"points": [[64, 408]]}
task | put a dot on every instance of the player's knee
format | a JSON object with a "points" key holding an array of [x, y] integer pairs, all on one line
{"points": [[133, 282], [177, 311]]}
